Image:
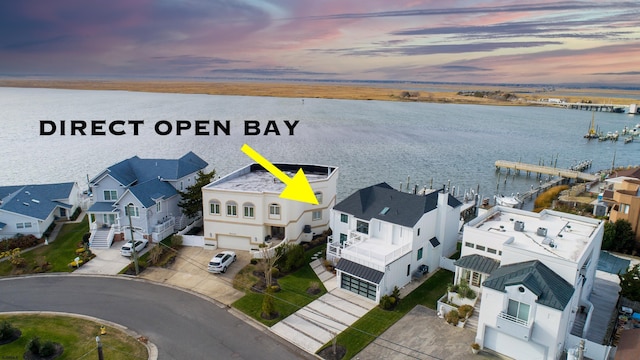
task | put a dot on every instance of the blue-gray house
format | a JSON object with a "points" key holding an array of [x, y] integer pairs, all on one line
{"points": [[31, 209], [145, 189]]}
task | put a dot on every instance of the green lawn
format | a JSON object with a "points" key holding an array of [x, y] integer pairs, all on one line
{"points": [[376, 321], [77, 336], [292, 296], [59, 253]]}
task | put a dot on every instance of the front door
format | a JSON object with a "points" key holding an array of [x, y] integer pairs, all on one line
{"points": [[108, 219], [277, 232]]}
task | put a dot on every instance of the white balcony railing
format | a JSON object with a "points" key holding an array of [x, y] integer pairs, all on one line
{"points": [[514, 326], [513, 319]]}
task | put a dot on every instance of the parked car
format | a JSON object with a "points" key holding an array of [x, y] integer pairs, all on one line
{"points": [[220, 263], [127, 249]]}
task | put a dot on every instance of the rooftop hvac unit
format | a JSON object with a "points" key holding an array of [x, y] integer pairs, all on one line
{"points": [[518, 226], [541, 231]]}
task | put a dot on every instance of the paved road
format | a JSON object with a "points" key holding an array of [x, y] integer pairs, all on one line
{"points": [[182, 326]]}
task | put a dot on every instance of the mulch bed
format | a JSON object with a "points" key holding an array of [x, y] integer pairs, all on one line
{"points": [[59, 350], [15, 336], [328, 354]]}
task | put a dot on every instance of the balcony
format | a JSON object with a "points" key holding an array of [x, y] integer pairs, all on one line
{"points": [[514, 326], [368, 251]]}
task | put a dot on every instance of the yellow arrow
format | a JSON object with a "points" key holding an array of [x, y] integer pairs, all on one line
{"points": [[297, 188]]}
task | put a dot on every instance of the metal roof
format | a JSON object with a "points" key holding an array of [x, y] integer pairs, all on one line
{"points": [[360, 271], [552, 290], [478, 263]]}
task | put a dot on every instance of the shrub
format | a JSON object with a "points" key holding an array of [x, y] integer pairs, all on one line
{"points": [[275, 272], [385, 302], [452, 317], [292, 258], [33, 346], [465, 311], [253, 261], [475, 346], [47, 349], [176, 242], [6, 330], [155, 254]]}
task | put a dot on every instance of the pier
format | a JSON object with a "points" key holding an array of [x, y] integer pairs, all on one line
{"points": [[519, 167]]}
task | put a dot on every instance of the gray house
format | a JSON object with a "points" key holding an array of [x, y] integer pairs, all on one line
{"points": [[31, 209], [140, 195]]}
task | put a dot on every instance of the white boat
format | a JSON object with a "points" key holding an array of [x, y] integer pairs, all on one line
{"points": [[508, 201]]}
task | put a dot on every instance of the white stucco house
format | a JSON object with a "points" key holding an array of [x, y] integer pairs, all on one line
{"points": [[380, 236], [534, 273], [32, 209], [244, 210], [146, 189]]}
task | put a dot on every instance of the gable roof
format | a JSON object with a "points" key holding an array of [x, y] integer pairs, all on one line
{"points": [[360, 271], [36, 201], [478, 263], [552, 290], [150, 191], [137, 170], [383, 202]]}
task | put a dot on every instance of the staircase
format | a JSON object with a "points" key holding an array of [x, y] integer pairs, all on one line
{"points": [[578, 325], [101, 239], [472, 322]]}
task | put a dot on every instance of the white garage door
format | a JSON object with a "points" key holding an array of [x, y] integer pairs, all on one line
{"points": [[234, 242], [512, 347]]}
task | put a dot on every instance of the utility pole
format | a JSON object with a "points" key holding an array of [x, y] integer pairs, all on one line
{"points": [[133, 243], [100, 356]]}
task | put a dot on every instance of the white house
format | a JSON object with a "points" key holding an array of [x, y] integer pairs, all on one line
{"points": [[547, 267], [244, 210], [146, 189], [32, 209], [382, 235]]}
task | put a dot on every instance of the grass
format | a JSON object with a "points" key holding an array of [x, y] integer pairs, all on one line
{"points": [[77, 336], [291, 298], [58, 253], [376, 321]]}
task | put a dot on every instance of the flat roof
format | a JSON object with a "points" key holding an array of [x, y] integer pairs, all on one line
{"points": [[254, 178], [566, 237]]}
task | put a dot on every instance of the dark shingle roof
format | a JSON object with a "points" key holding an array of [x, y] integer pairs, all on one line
{"points": [[552, 290], [36, 201], [403, 208], [359, 271], [137, 170], [478, 263]]}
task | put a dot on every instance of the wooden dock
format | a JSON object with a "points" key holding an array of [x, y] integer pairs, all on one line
{"points": [[519, 167]]}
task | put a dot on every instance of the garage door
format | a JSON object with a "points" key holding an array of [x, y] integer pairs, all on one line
{"points": [[512, 347], [234, 242]]}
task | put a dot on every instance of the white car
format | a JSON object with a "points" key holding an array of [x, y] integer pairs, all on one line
{"points": [[221, 262], [127, 249]]}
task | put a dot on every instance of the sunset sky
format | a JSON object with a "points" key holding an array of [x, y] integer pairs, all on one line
{"points": [[472, 41]]}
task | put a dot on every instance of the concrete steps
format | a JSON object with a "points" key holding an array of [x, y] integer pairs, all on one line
{"points": [[472, 322], [100, 240]]}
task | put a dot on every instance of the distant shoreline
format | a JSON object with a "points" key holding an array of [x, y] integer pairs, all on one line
{"points": [[484, 94]]}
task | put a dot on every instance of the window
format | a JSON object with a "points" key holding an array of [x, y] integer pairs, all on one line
{"points": [[384, 211], [344, 218], [248, 210], [316, 215], [475, 279], [20, 225], [110, 195], [274, 209], [491, 251], [468, 244], [181, 185], [318, 197], [232, 209], [408, 269], [518, 310], [343, 238], [419, 254], [131, 210], [480, 247], [158, 206], [214, 207], [624, 208], [362, 227], [418, 231]]}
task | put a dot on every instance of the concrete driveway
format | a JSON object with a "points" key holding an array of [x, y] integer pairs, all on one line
{"points": [[107, 261], [189, 271]]}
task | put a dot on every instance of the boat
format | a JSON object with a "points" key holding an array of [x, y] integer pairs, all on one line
{"points": [[593, 133], [628, 139], [507, 201]]}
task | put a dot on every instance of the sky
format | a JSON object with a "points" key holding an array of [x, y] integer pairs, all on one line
{"points": [[472, 41]]}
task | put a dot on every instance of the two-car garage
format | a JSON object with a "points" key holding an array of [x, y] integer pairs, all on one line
{"points": [[234, 242], [513, 347]]}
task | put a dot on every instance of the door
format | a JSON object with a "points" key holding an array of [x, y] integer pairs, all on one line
{"points": [[234, 242]]}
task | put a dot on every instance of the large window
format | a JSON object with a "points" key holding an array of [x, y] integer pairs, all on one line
{"points": [[248, 210], [318, 197], [518, 310], [316, 215], [131, 210], [232, 209], [360, 287], [110, 195], [362, 227], [274, 211], [214, 207]]}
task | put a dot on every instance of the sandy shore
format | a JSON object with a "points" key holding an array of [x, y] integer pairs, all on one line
{"points": [[388, 92]]}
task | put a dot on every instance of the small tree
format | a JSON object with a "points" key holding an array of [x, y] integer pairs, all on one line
{"points": [[269, 258], [630, 283], [191, 202]]}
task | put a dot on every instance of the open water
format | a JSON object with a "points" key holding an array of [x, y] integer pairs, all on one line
{"points": [[370, 141]]}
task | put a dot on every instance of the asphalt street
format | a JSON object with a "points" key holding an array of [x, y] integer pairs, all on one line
{"points": [[182, 325]]}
